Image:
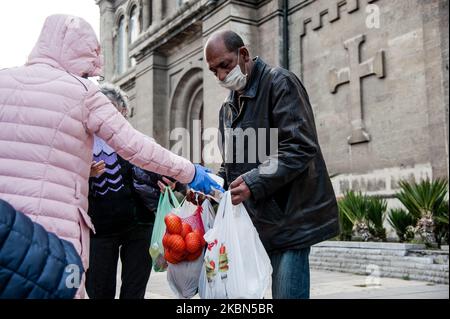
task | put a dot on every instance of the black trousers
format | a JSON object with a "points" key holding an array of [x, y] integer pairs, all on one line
{"points": [[133, 248]]}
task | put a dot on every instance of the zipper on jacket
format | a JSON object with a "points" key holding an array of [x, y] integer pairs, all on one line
{"points": [[240, 110]]}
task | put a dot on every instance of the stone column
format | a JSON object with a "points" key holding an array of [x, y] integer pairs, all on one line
{"points": [[151, 98], [106, 36], [146, 14], [158, 11], [435, 32], [160, 91]]}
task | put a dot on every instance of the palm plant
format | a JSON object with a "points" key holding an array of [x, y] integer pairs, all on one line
{"points": [[441, 223], [443, 214], [376, 208], [354, 207], [366, 215], [345, 225], [424, 201], [403, 223]]}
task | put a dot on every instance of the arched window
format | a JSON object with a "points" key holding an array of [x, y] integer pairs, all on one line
{"points": [[134, 29], [187, 112], [121, 47], [181, 2]]}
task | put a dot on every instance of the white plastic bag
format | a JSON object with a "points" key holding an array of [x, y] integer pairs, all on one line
{"points": [[183, 277], [208, 217], [236, 265]]}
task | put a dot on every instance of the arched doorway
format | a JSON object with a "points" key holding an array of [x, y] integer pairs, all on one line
{"points": [[186, 114]]}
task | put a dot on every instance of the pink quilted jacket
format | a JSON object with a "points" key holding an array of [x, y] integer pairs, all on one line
{"points": [[48, 117]]}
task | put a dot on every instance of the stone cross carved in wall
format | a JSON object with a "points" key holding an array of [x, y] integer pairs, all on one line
{"points": [[353, 75]]}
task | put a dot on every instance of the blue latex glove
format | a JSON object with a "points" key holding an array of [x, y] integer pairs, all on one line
{"points": [[202, 182]]}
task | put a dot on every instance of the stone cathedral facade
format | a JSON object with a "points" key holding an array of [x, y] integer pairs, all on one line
{"points": [[376, 72]]}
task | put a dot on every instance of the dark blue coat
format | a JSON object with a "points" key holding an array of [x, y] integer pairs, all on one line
{"points": [[33, 261]]}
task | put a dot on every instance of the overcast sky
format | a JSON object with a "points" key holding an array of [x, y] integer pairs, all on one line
{"points": [[21, 22]]}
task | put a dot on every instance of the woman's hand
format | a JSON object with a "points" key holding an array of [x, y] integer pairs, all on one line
{"points": [[97, 168], [167, 182]]}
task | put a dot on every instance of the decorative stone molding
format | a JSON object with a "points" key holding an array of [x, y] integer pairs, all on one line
{"points": [[355, 70], [120, 12], [332, 12], [131, 4], [353, 75], [161, 33], [127, 80], [381, 182]]}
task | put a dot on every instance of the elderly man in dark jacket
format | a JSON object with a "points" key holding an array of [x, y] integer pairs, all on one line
{"points": [[35, 264], [289, 193]]}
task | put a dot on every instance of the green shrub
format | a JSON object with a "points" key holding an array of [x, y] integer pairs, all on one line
{"points": [[346, 226], [423, 198], [441, 223], [376, 212], [366, 214], [353, 207], [402, 222], [426, 201]]}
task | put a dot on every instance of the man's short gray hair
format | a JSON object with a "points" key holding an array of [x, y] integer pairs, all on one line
{"points": [[115, 95]]}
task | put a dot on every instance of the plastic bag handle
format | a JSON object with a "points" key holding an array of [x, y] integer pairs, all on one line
{"points": [[223, 206], [182, 201], [173, 198]]}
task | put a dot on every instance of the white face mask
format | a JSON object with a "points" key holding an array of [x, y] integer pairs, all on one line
{"points": [[235, 80]]}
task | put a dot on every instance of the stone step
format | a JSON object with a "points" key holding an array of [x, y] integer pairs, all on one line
{"points": [[427, 252], [357, 251], [369, 245], [389, 259], [400, 263], [434, 278], [418, 260], [368, 267], [437, 276], [439, 257], [351, 255]]}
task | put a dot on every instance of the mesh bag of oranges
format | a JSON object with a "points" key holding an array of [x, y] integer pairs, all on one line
{"points": [[184, 247], [183, 239], [167, 204]]}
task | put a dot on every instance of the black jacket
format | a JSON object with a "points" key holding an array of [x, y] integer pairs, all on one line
{"points": [[293, 204], [146, 185], [114, 204]]}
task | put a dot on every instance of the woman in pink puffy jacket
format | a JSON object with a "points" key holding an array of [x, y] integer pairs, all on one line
{"points": [[49, 113]]}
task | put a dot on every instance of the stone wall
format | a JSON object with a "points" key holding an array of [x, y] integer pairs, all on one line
{"points": [[376, 72], [381, 182], [376, 260], [370, 85]]}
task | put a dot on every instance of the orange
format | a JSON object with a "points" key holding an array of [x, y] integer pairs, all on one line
{"points": [[173, 224], [176, 243], [193, 242], [186, 229]]}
